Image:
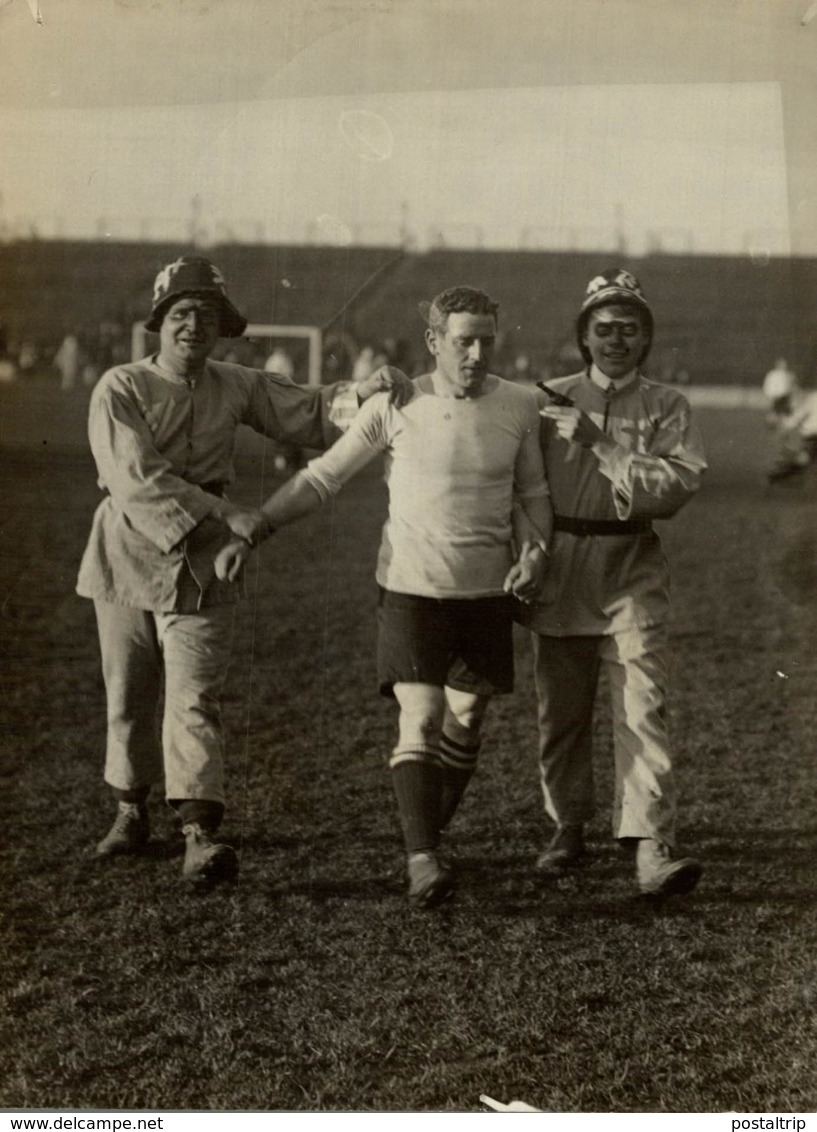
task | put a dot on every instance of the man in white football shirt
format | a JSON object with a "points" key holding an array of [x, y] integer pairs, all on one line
{"points": [[457, 455]]}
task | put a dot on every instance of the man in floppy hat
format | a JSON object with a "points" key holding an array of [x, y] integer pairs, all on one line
{"points": [[620, 451], [162, 432]]}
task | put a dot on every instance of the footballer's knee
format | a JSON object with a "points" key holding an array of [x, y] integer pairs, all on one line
{"points": [[421, 715], [464, 713]]}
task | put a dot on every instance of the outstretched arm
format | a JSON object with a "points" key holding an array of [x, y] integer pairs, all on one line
{"points": [[321, 479], [296, 498], [141, 480]]}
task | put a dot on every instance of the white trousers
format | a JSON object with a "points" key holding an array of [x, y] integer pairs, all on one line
{"points": [[187, 656], [567, 673]]}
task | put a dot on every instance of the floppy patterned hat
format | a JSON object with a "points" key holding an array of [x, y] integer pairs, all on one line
{"points": [[615, 286], [194, 275]]}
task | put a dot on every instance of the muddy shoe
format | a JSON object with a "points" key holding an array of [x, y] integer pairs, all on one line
{"points": [[206, 862], [659, 874], [565, 851], [129, 832], [430, 881]]}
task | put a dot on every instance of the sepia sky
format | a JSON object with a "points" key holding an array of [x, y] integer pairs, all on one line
{"points": [[502, 122]]}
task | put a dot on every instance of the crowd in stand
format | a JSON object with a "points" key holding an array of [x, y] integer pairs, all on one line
{"points": [[78, 359]]}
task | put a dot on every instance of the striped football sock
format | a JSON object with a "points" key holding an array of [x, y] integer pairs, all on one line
{"points": [[417, 780], [458, 765]]}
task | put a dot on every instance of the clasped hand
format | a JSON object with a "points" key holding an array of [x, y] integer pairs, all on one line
{"points": [[387, 379], [244, 522], [230, 560], [248, 525], [525, 577]]}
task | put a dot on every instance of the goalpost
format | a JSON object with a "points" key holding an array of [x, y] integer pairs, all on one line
{"points": [[260, 332]]}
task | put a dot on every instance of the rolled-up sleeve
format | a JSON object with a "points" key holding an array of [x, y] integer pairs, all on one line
{"points": [[156, 502]]}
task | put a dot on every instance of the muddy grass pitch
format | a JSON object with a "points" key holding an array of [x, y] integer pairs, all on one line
{"points": [[311, 985]]}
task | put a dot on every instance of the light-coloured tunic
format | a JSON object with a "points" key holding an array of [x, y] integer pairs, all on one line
{"points": [[599, 584], [164, 452], [164, 447]]}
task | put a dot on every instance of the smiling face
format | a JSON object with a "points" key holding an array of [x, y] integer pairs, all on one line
{"points": [[463, 350], [188, 333], [617, 338]]}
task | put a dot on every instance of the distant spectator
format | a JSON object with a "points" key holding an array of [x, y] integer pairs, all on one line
{"points": [[90, 374], [669, 369], [336, 361], [106, 353], [398, 352], [68, 360], [523, 370], [364, 364], [380, 357], [779, 388], [8, 370], [27, 359], [280, 362]]}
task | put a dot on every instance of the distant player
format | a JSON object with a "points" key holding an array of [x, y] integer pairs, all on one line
{"points": [[779, 388], [793, 413], [456, 455], [620, 451]]}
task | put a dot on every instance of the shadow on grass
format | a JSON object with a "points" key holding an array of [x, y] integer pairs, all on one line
{"points": [[322, 889]]}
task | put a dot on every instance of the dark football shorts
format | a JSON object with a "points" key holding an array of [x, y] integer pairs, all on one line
{"points": [[462, 643]]}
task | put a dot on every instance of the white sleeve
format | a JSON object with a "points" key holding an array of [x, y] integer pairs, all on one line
{"points": [[365, 437]]}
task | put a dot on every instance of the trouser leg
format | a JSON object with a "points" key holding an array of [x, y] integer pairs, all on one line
{"points": [[132, 671], [645, 800], [566, 673], [196, 649]]}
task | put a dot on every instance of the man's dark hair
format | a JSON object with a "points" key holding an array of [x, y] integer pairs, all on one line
{"points": [[457, 300]]}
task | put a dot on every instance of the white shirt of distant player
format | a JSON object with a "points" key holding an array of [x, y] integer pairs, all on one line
{"points": [[804, 418], [778, 382]]}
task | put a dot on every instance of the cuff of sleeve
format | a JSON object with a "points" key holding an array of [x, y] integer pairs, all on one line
{"points": [[267, 531], [614, 460], [178, 522], [325, 485]]}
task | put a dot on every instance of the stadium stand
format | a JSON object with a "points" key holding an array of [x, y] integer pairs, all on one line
{"points": [[722, 319]]}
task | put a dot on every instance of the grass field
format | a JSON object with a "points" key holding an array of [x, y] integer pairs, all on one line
{"points": [[311, 985]]}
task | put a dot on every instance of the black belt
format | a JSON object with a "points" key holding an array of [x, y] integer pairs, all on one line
{"points": [[575, 526]]}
